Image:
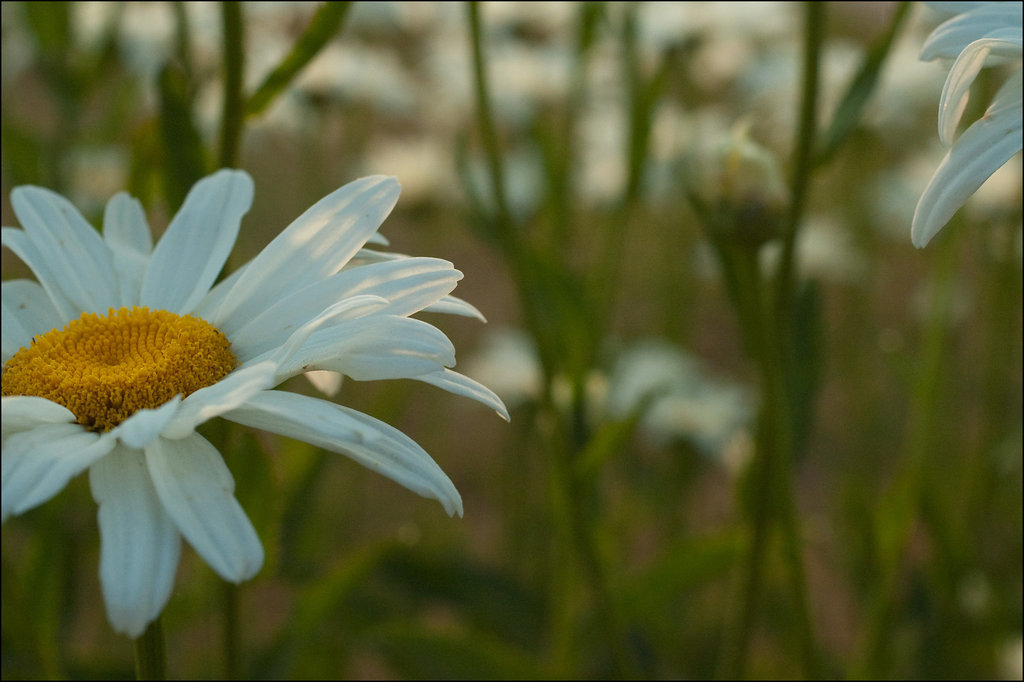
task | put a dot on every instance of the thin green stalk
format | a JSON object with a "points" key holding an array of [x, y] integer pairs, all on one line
{"points": [[571, 431], [774, 504], [488, 131], [150, 655], [900, 507], [234, 101], [231, 631], [780, 478], [802, 164]]}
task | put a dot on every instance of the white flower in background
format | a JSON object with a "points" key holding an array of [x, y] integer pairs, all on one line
{"points": [[685, 403], [507, 362], [982, 33], [120, 350]]}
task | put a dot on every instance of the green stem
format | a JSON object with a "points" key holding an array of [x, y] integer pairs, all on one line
{"points": [[230, 631], [150, 655], [899, 509], [814, 36], [772, 471], [234, 102], [488, 132]]}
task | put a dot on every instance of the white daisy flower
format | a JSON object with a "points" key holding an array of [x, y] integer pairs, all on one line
{"points": [[121, 349], [982, 33]]}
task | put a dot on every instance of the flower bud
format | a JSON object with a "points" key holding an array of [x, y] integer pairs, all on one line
{"points": [[738, 191]]}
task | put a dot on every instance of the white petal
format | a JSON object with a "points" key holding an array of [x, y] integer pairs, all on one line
{"points": [[52, 279], [26, 312], [985, 146], [197, 491], [459, 384], [127, 236], [370, 442], [451, 305], [354, 307], [226, 394], [408, 285], [208, 306], [315, 246], [376, 347], [138, 430], [199, 239], [24, 412], [957, 89], [37, 464], [125, 226], [70, 245], [327, 382], [139, 543], [951, 37]]}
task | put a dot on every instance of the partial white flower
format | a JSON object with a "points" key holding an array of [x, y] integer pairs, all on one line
{"points": [[686, 404], [120, 349], [983, 33]]}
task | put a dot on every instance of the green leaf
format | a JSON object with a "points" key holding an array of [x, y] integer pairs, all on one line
{"points": [[327, 21], [851, 107]]}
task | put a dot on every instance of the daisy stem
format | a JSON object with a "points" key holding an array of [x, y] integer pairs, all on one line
{"points": [[233, 112], [773, 504], [489, 135], [803, 163], [150, 655], [230, 631]]}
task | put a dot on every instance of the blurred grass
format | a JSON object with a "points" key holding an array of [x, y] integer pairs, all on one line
{"points": [[363, 578]]}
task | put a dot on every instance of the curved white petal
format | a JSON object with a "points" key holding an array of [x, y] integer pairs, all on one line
{"points": [[957, 89], [139, 543], [24, 412], [315, 246], [954, 35], [370, 442], [452, 305], [226, 394], [408, 285], [138, 430], [197, 491], [981, 150], [376, 347], [37, 464], [51, 278], [212, 300], [354, 307], [127, 235], [72, 247], [199, 239], [26, 311], [460, 384]]}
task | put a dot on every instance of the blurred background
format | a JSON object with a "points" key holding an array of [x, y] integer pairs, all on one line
{"points": [[604, 531]]}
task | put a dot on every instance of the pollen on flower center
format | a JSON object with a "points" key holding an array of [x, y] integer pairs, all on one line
{"points": [[104, 368]]}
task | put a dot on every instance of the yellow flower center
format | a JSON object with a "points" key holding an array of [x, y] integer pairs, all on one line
{"points": [[104, 368]]}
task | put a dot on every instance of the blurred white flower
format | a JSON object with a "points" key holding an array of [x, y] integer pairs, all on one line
{"points": [[686, 403], [508, 363], [982, 33]]}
